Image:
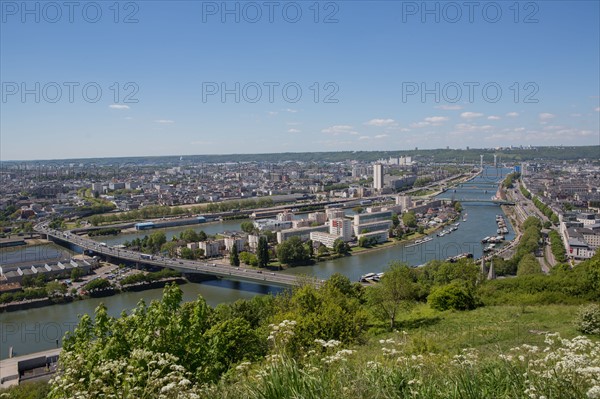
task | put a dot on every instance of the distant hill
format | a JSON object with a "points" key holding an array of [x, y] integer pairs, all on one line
{"points": [[437, 155]]}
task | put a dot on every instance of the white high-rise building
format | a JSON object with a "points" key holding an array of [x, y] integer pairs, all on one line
{"points": [[378, 176], [341, 227], [404, 202]]}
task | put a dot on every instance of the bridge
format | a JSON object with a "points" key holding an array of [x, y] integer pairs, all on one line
{"points": [[211, 268], [491, 201]]}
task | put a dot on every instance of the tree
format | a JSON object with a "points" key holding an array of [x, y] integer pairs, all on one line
{"points": [[409, 219], [247, 227], [234, 259], [170, 248], [156, 240], [187, 253], [76, 274], [202, 236], [340, 247], [458, 207], [322, 251], [358, 209], [189, 235], [55, 287], [364, 242], [456, 296], [28, 228], [310, 245], [262, 252], [292, 252], [396, 289], [528, 265]]}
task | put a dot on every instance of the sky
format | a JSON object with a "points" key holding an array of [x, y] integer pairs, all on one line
{"points": [[147, 78]]}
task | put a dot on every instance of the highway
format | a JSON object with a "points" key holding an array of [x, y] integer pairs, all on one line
{"points": [[213, 268]]}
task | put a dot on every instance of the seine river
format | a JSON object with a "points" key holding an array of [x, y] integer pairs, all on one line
{"points": [[35, 330]]}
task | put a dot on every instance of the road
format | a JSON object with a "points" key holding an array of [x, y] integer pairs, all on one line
{"points": [[213, 268]]}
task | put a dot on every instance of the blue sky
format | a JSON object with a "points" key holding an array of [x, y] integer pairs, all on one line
{"points": [[361, 76]]}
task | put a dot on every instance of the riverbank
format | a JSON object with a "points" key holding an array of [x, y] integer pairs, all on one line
{"points": [[67, 298]]}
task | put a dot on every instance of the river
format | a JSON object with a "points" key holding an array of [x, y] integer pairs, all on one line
{"points": [[38, 329]]}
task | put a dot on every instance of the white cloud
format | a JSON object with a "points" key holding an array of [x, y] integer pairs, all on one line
{"points": [[339, 129], [164, 121], [468, 127], [381, 136], [597, 109], [545, 116], [471, 115], [294, 130], [553, 127], [449, 107], [364, 137], [493, 118], [291, 110], [429, 121], [579, 115], [118, 106], [272, 113], [418, 125], [128, 118], [436, 120], [512, 114], [380, 122]]}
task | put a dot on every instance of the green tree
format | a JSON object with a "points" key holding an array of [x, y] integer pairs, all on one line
{"points": [[156, 240], [458, 206], [187, 253], [262, 252], [234, 259], [292, 252], [358, 209], [247, 227], [202, 236], [170, 248], [76, 274], [409, 219], [340, 247], [322, 251], [28, 228], [189, 235], [396, 290], [456, 296], [528, 265], [55, 287]]}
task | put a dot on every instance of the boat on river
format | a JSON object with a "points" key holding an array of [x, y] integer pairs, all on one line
{"points": [[419, 242]]}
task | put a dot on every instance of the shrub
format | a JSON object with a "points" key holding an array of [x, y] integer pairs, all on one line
{"points": [[588, 319], [452, 296]]}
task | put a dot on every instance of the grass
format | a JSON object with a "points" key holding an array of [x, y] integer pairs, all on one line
{"points": [[490, 328], [437, 355], [431, 354]]}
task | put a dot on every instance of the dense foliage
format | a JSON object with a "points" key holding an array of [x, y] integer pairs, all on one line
{"points": [[558, 249], [293, 252], [294, 342], [588, 319], [510, 179], [97, 284], [149, 277]]}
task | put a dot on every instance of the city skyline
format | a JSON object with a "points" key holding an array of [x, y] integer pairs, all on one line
{"points": [[184, 78]]}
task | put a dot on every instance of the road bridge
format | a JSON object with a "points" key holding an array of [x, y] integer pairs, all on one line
{"points": [[211, 268], [494, 201]]}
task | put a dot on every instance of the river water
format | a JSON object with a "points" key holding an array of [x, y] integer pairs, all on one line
{"points": [[35, 330]]}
